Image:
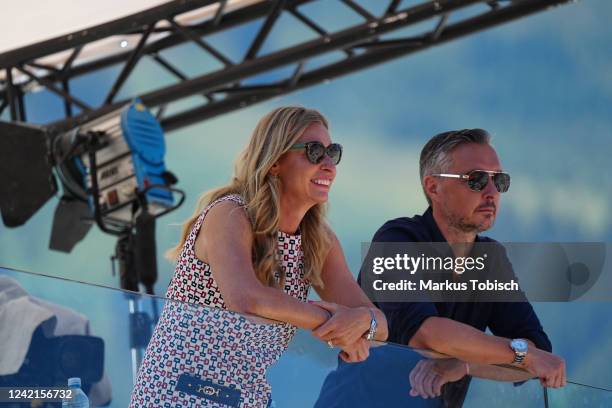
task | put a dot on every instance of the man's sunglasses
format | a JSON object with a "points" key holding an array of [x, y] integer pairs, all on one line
{"points": [[477, 179], [315, 151]]}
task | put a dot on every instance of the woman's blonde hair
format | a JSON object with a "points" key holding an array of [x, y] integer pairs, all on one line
{"points": [[274, 135]]}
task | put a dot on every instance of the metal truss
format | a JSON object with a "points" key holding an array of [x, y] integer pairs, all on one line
{"points": [[55, 63]]}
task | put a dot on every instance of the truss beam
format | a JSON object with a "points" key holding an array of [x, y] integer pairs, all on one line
{"points": [[224, 89]]}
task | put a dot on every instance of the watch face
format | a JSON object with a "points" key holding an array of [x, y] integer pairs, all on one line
{"points": [[519, 345]]}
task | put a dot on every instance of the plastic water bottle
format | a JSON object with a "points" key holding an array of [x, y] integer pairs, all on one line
{"points": [[79, 399]]}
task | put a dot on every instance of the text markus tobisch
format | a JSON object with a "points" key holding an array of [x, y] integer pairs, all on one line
{"points": [[430, 285]]}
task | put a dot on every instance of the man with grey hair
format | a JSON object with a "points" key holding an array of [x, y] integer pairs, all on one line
{"points": [[462, 179]]}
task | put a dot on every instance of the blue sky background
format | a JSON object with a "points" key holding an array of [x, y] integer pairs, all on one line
{"points": [[542, 86]]}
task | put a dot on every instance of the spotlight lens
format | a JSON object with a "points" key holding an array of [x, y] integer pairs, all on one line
{"points": [[123, 44]]}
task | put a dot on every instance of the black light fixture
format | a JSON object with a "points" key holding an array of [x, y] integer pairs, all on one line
{"points": [[110, 171]]}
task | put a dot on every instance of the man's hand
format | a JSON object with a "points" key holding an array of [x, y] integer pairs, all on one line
{"points": [[428, 376], [546, 366]]}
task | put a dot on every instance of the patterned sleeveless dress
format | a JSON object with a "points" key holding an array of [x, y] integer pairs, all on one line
{"points": [[202, 355]]}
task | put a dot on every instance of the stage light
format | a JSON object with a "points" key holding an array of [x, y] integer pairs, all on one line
{"points": [[111, 171]]}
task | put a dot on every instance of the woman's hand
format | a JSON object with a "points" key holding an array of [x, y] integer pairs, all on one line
{"points": [[428, 376], [356, 352], [345, 326]]}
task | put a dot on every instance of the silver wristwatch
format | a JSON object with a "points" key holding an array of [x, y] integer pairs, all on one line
{"points": [[373, 326], [520, 348]]}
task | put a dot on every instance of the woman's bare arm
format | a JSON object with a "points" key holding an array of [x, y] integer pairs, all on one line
{"points": [[341, 288], [225, 243]]}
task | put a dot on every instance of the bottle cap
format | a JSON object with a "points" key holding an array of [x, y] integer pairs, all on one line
{"points": [[74, 381]]}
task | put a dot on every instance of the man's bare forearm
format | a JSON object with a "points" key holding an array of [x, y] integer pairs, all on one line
{"points": [[492, 372], [461, 341]]}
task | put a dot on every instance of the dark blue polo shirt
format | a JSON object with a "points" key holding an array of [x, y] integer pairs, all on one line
{"points": [[382, 380], [504, 319]]}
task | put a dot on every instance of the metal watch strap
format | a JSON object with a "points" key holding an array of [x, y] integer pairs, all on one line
{"points": [[373, 326], [518, 358]]}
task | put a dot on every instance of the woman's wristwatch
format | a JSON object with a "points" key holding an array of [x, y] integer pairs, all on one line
{"points": [[373, 325]]}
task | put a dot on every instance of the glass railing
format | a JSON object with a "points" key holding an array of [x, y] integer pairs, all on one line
{"points": [[52, 329]]}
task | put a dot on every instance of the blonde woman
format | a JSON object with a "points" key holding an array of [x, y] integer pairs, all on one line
{"points": [[256, 246]]}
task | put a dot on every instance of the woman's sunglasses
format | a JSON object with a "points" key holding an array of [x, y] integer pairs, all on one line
{"points": [[477, 179], [315, 151]]}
